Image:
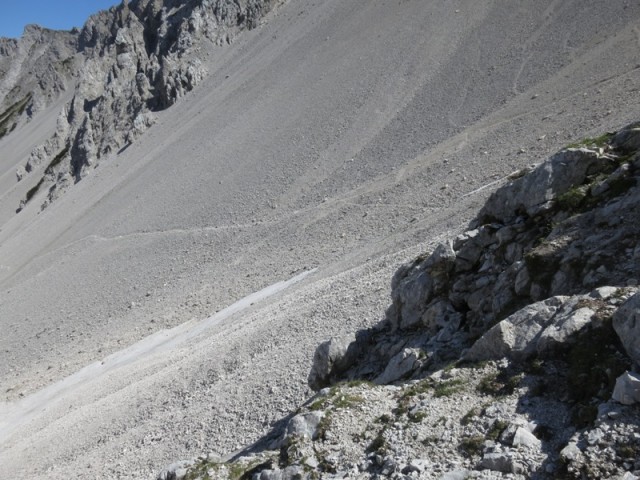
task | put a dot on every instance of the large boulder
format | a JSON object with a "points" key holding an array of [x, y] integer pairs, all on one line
{"points": [[330, 358], [564, 326], [401, 365], [533, 193], [627, 139], [626, 322], [516, 336], [627, 389], [415, 284]]}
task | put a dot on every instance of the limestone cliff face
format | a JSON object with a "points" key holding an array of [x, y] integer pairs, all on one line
{"points": [[38, 64], [126, 63]]}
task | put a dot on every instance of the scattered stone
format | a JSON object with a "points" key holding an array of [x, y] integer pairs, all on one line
{"points": [[304, 426], [330, 358], [627, 389], [499, 462], [400, 365], [571, 452], [525, 438]]}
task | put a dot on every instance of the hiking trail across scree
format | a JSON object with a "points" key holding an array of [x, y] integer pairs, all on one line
{"points": [[13, 415]]}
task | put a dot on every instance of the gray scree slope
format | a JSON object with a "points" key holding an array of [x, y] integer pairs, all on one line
{"points": [[338, 135]]}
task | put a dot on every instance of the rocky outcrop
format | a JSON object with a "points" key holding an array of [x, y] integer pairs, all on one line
{"points": [[526, 276], [542, 328], [510, 349], [126, 63]]}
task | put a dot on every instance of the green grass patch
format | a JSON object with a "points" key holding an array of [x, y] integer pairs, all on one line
{"points": [[572, 199], [347, 401], [357, 383], [418, 388], [448, 388], [201, 470], [319, 404], [469, 416], [336, 399], [496, 430], [597, 142], [417, 417]]}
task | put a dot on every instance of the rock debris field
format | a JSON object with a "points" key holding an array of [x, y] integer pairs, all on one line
{"points": [[172, 158]]}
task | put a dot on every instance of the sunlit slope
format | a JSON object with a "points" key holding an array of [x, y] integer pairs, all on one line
{"points": [[323, 132]]}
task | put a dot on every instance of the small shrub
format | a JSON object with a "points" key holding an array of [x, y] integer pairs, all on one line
{"points": [[417, 417], [324, 426], [471, 446], [627, 451], [469, 416], [384, 419], [597, 142], [400, 410], [498, 384], [572, 199], [378, 443], [496, 430], [535, 367]]}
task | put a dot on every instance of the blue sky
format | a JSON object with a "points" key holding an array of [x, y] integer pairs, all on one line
{"points": [[56, 14]]}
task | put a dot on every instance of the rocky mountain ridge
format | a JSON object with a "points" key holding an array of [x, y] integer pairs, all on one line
{"points": [[126, 63], [506, 353]]}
